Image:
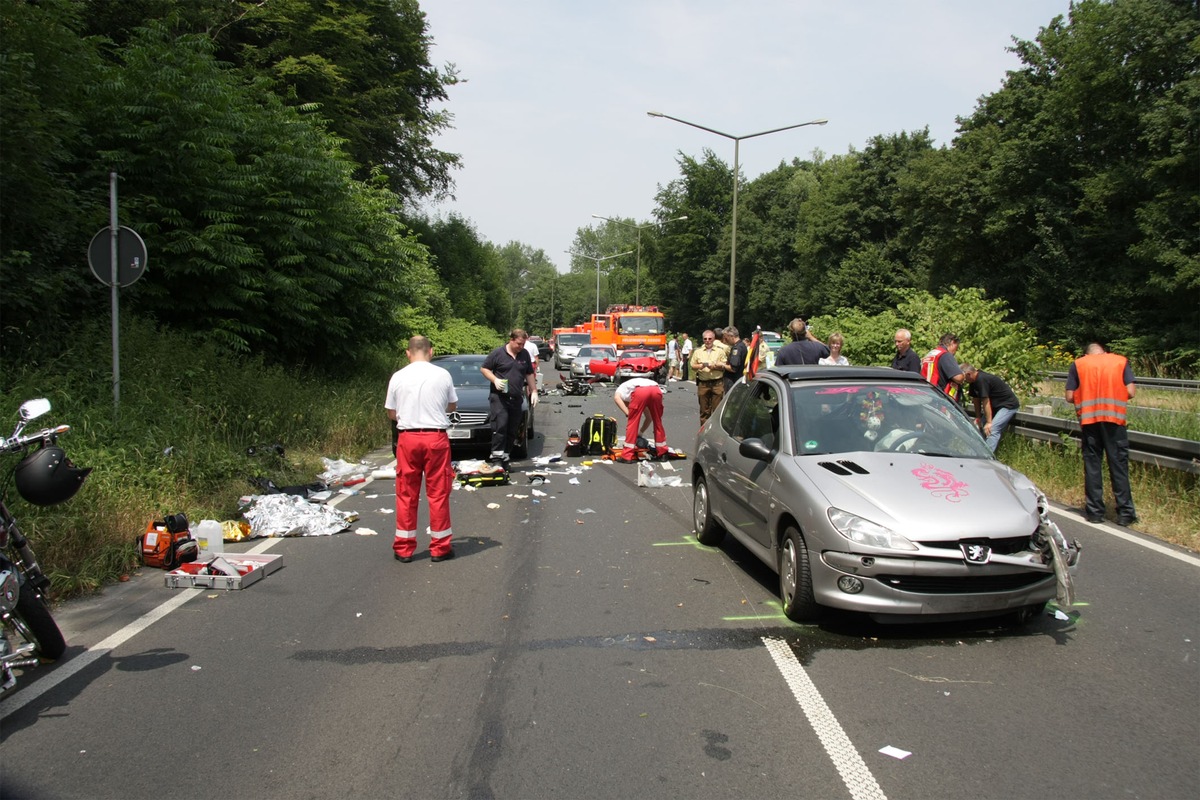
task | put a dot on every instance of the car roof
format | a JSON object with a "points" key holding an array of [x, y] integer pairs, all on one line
{"points": [[462, 357], [826, 372]]}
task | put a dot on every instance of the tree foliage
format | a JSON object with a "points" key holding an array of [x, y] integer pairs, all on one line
{"points": [[363, 67], [989, 338]]}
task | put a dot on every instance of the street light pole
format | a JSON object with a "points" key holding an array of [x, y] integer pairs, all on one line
{"points": [[598, 260], [637, 292], [736, 142]]}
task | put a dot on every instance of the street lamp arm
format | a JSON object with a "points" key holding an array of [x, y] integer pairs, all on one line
{"points": [[787, 128], [693, 124], [731, 136]]}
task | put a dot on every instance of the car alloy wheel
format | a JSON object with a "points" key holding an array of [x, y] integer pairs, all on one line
{"points": [[795, 578], [708, 530]]}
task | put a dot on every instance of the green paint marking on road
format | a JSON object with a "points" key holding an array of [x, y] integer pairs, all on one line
{"points": [[688, 539]]}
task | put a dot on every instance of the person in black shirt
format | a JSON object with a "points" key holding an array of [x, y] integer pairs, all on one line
{"points": [[736, 363], [804, 347], [995, 403], [905, 359]]}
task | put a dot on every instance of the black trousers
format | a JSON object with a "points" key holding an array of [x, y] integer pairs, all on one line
{"points": [[1106, 440], [504, 415]]}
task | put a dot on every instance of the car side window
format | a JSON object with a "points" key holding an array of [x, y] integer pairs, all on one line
{"points": [[760, 415], [733, 404]]}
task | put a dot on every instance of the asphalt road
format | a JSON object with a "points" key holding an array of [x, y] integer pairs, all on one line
{"points": [[583, 645]]}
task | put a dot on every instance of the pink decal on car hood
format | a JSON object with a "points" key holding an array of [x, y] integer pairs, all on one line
{"points": [[941, 483]]}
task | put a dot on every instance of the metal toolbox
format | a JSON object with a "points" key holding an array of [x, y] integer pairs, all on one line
{"points": [[216, 572]]}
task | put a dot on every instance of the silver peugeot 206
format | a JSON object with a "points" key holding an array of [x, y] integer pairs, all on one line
{"points": [[867, 489]]}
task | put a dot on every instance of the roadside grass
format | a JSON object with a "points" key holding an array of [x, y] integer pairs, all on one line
{"points": [[188, 416], [1167, 501]]}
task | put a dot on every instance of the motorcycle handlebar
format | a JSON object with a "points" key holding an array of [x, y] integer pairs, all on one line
{"points": [[19, 442]]}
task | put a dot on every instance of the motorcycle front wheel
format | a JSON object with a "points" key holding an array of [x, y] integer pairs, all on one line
{"points": [[32, 621]]}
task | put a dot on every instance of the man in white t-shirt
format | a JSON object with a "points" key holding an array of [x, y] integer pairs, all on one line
{"points": [[532, 348], [635, 397], [419, 397]]}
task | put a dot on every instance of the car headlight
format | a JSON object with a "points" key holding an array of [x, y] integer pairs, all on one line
{"points": [[863, 531]]}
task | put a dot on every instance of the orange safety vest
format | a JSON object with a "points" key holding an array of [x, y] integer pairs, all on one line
{"points": [[1101, 396], [929, 369]]}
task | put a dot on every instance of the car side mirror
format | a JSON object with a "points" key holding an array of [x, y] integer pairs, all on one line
{"points": [[755, 449]]}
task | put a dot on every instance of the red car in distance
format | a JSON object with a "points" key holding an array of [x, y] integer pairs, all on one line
{"points": [[634, 362]]}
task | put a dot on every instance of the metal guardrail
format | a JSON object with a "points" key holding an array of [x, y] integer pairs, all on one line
{"points": [[1147, 448], [1155, 383]]}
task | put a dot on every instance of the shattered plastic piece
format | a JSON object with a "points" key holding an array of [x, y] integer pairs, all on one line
{"points": [[574, 481], [384, 474], [537, 493], [366, 532], [894, 752], [493, 505], [648, 476], [1058, 614], [340, 472], [584, 511]]}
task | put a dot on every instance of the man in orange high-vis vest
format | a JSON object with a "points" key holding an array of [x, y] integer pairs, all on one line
{"points": [[1101, 385]]}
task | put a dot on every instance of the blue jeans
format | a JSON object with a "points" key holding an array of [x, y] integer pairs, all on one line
{"points": [[1000, 421]]}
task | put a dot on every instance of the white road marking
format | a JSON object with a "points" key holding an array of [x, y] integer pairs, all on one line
{"points": [[1139, 540], [837, 744], [23, 697]]}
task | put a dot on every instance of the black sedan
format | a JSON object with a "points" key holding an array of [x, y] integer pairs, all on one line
{"points": [[469, 422], [544, 351]]}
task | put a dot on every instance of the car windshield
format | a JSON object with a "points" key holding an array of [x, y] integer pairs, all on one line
{"points": [[771, 336], [637, 353], [573, 339], [637, 325], [594, 352], [844, 418]]}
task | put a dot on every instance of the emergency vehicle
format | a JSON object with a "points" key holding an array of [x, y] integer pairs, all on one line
{"points": [[625, 326]]}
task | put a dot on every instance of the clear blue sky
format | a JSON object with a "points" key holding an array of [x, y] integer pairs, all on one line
{"points": [[551, 123]]}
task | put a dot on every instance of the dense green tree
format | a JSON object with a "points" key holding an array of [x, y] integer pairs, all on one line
{"points": [[1081, 177], [688, 267], [768, 292], [47, 211], [364, 67], [467, 266], [523, 268], [855, 212], [251, 211]]}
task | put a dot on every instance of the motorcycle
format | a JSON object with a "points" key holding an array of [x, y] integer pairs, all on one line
{"points": [[43, 477]]}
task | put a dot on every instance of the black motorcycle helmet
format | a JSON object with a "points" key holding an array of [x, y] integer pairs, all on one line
{"points": [[46, 476]]}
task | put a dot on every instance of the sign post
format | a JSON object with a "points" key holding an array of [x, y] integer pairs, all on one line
{"points": [[117, 257]]}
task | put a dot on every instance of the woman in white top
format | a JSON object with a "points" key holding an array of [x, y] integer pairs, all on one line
{"points": [[835, 359]]}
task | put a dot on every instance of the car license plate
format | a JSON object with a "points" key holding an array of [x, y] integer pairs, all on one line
{"points": [[459, 433]]}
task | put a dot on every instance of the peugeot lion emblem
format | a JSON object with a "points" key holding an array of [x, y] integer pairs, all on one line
{"points": [[976, 553]]}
